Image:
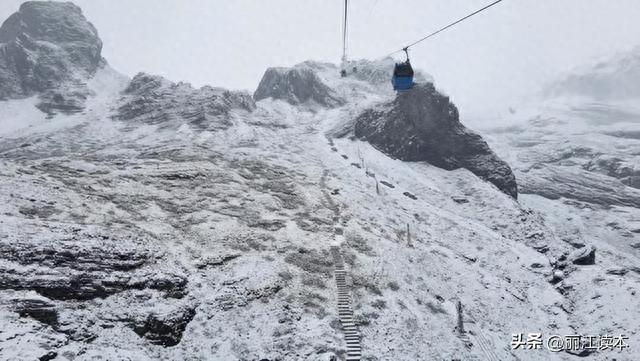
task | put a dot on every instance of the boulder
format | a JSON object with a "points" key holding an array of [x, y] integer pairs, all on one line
{"points": [[38, 308], [297, 85], [165, 328], [45, 44], [583, 256], [423, 125]]}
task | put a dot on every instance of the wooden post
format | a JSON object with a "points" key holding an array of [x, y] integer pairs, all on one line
{"points": [[460, 319]]}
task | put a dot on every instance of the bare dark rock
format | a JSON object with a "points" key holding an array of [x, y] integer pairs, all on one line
{"points": [[297, 85], [460, 200], [48, 356], [423, 125], [387, 184], [410, 195]]}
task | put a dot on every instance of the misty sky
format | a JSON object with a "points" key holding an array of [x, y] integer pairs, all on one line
{"points": [[484, 63]]}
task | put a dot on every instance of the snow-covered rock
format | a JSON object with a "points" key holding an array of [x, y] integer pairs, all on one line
{"points": [[165, 328], [583, 256], [45, 44], [297, 85], [153, 99], [423, 125], [615, 167], [82, 266]]}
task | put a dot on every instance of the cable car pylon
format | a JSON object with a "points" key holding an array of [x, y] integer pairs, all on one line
{"points": [[343, 66]]}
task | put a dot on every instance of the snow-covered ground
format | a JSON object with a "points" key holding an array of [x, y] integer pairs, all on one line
{"points": [[247, 214]]}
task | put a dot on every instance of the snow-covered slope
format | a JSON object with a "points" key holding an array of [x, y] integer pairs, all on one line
{"points": [[167, 222], [246, 215]]}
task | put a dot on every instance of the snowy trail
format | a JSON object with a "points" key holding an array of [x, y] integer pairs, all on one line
{"points": [[345, 308]]}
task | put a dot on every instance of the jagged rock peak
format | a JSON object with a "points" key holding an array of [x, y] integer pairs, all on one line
{"points": [[154, 99], [45, 44], [297, 85], [55, 22], [423, 125]]}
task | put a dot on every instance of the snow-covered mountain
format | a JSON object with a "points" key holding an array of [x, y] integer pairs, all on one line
{"points": [[613, 79], [153, 220]]}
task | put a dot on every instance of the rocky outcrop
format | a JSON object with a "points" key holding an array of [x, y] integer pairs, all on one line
{"points": [[165, 328], [84, 268], [583, 256], [297, 85], [38, 308], [46, 44], [423, 125], [153, 100]]}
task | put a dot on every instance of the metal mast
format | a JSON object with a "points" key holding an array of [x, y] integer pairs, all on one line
{"points": [[344, 33]]}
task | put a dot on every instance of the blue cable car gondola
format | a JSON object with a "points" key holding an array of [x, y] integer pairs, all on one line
{"points": [[402, 79]]}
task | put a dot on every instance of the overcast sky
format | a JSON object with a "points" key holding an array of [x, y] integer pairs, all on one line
{"points": [[489, 60]]}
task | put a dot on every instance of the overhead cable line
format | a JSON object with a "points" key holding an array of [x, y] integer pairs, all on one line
{"points": [[444, 28]]}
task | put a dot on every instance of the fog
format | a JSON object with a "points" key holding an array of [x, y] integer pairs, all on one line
{"points": [[490, 61]]}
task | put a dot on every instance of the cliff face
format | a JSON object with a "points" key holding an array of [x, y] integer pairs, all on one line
{"points": [[43, 45], [423, 125]]}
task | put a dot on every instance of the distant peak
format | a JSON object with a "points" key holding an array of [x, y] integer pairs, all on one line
{"points": [[45, 45]]}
